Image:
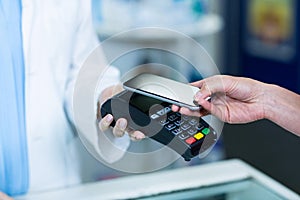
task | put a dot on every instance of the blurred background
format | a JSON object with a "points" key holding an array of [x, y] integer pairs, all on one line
{"points": [[253, 38]]}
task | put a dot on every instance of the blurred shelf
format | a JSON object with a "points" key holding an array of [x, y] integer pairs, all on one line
{"points": [[206, 25]]}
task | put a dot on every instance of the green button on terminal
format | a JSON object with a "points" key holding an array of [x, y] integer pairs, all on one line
{"points": [[205, 131]]}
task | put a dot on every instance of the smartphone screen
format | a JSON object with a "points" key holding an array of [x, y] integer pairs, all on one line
{"points": [[168, 90]]}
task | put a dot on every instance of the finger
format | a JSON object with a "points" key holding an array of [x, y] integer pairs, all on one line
{"points": [[186, 111], [202, 95], [205, 105], [4, 196], [204, 112], [198, 83], [132, 138], [109, 92], [204, 92], [136, 135], [214, 84], [120, 127], [175, 108], [105, 122], [211, 84]]}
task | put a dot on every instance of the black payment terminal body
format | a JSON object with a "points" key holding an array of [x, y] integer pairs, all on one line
{"points": [[188, 136]]}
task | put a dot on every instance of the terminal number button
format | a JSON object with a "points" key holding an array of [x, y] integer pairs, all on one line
{"points": [[176, 131], [183, 135], [170, 126]]}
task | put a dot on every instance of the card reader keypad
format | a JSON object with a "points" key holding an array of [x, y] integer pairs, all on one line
{"points": [[187, 128]]}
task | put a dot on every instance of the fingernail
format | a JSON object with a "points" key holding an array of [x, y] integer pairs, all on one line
{"points": [[109, 118], [140, 136], [198, 96], [123, 124]]}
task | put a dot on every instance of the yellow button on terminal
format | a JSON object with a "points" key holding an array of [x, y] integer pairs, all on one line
{"points": [[198, 136]]}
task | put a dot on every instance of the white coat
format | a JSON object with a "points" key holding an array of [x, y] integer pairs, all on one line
{"points": [[57, 37]]}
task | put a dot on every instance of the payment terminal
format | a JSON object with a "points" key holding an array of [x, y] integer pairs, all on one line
{"points": [[188, 136]]}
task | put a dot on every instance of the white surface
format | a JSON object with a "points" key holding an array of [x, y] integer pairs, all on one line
{"points": [[167, 181]]}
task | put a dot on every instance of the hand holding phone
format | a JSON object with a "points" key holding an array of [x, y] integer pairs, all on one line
{"points": [[168, 90]]}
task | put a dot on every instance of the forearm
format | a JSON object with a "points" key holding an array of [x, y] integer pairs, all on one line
{"points": [[282, 107]]}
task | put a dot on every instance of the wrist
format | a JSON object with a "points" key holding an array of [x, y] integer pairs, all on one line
{"points": [[270, 102]]}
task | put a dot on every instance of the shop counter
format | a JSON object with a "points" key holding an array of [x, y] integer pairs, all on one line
{"points": [[228, 180]]}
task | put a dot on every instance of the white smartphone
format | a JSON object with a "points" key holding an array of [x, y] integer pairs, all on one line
{"points": [[164, 89]]}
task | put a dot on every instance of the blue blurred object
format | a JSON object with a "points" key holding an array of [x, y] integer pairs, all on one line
{"points": [[96, 11], [199, 8], [14, 175]]}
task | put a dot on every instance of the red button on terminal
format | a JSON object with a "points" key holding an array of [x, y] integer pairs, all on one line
{"points": [[190, 140]]}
